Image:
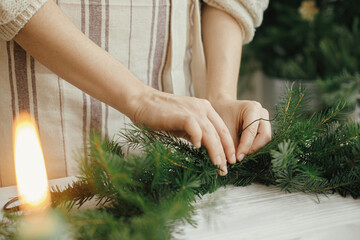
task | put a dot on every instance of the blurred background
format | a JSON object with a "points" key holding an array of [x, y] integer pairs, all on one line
{"points": [[315, 42]]}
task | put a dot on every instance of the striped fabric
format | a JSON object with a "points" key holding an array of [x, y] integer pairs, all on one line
{"points": [[158, 40], [136, 32]]}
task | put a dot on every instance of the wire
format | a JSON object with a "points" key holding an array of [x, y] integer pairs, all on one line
{"points": [[263, 119]]}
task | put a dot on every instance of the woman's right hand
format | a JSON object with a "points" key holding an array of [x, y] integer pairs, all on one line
{"points": [[188, 117]]}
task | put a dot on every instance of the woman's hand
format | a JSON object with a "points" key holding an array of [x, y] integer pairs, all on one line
{"points": [[223, 37], [87, 66], [192, 118], [237, 115]]}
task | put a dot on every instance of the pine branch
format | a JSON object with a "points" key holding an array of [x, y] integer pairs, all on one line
{"points": [[142, 196], [75, 194]]}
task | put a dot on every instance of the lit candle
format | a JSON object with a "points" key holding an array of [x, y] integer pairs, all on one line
{"points": [[30, 169], [38, 223]]}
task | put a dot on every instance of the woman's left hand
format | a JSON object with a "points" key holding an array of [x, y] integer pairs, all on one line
{"points": [[223, 38], [237, 115]]}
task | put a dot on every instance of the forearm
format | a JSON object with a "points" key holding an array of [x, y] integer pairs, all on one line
{"points": [[52, 39], [222, 39]]}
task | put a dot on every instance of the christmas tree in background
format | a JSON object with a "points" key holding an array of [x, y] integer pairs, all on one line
{"points": [[306, 40], [310, 40]]}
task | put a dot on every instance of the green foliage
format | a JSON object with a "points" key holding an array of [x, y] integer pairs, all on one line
{"points": [[344, 86], [144, 196], [291, 47], [8, 226]]}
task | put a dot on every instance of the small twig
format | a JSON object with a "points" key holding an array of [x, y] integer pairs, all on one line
{"points": [[297, 105], [326, 119], [345, 140], [287, 108]]}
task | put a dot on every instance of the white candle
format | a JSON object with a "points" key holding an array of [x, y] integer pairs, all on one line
{"points": [[38, 223], [30, 169]]}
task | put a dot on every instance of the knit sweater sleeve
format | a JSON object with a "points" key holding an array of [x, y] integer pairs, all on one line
{"points": [[248, 13], [14, 14]]}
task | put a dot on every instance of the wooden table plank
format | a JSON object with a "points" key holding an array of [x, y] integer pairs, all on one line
{"points": [[260, 212]]}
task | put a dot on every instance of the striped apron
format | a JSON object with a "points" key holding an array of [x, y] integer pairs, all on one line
{"points": [[158, 40]]}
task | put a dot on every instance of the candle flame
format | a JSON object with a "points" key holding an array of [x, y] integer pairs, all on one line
{"points": [[29, 163]]}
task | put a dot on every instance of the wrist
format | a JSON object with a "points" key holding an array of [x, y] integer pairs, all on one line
{"points": [[220, 96], [220, 87], [137, 99]]}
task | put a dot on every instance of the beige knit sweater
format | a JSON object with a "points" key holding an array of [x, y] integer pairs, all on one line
{"points": [[14, 14], [248, 13]]}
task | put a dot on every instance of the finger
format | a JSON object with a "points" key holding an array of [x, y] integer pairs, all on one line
{"points": [[264, 133], [249, 134], [211, 141], [193, 129], [182, 134], [190, 130], [225, 136], [185, 127]]}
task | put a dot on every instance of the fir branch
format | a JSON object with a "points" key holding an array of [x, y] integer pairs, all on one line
{"points": [[142, 196], [74, 194]]}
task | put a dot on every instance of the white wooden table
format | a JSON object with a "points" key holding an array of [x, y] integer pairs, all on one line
{"points": [[260, 212]]}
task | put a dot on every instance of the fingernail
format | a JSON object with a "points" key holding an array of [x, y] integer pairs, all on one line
{"points": [[224, 171], [241, 156], [218, 161], [233, 159], [197, 144]]}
